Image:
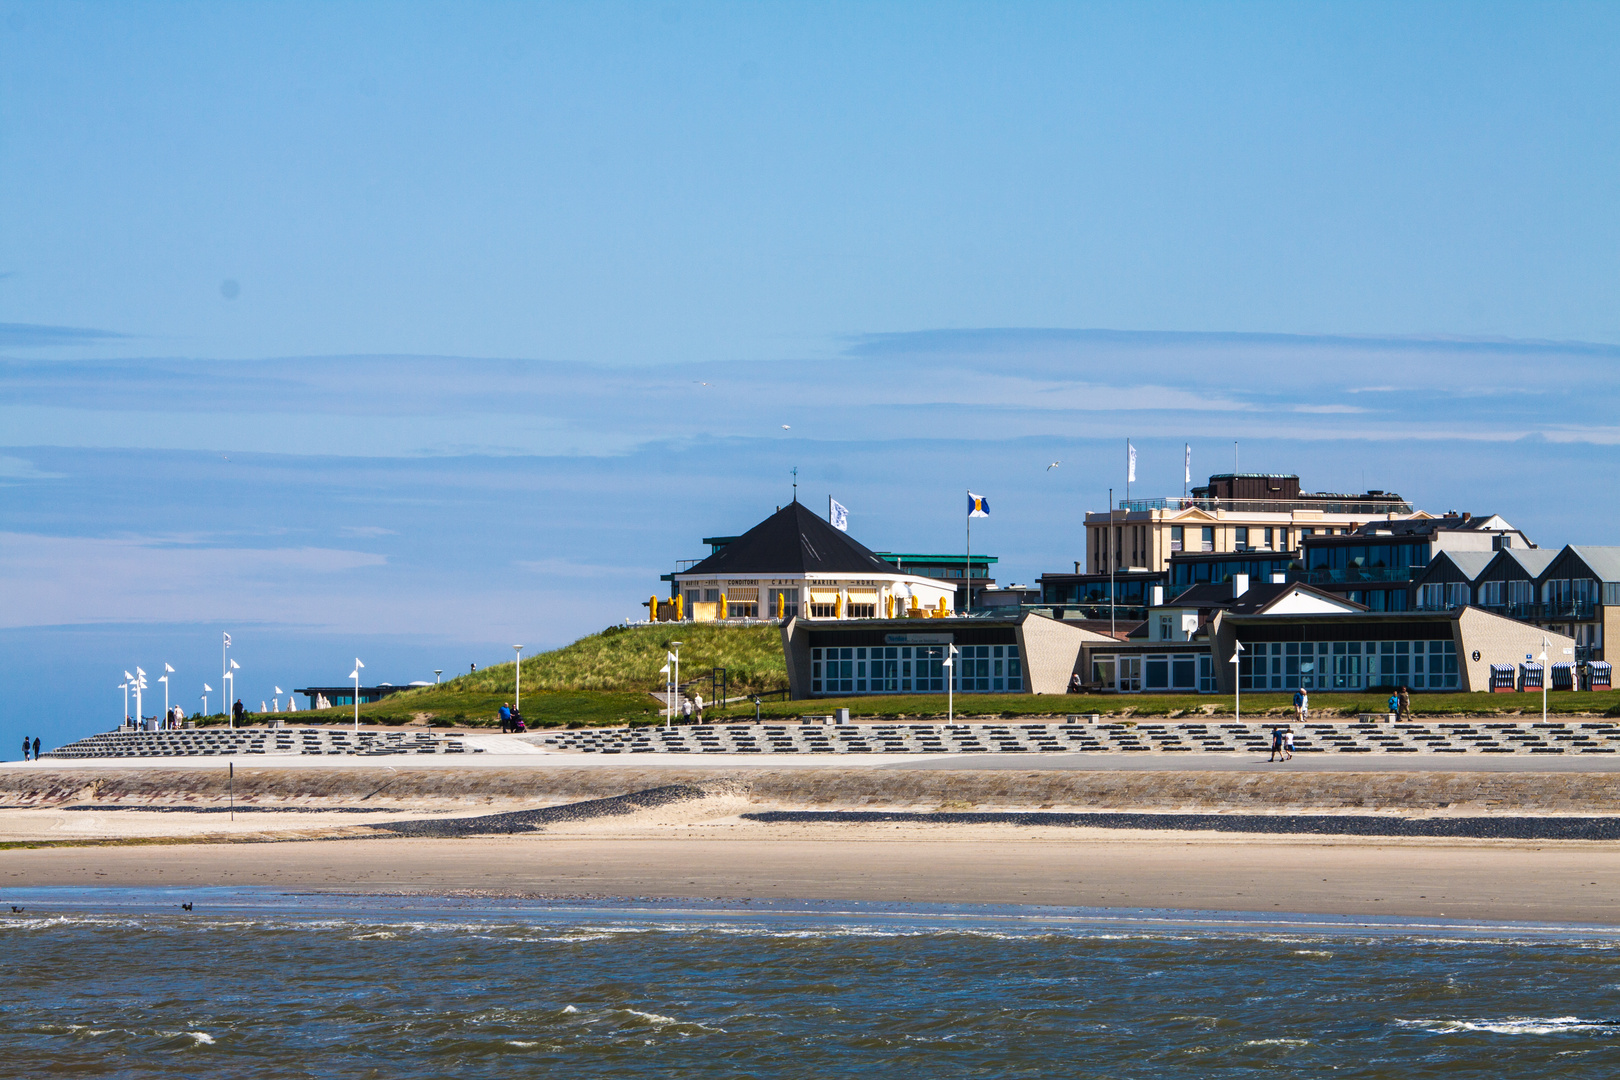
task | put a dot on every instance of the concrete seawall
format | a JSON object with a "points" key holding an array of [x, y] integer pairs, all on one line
{"points": [[831, 788]]}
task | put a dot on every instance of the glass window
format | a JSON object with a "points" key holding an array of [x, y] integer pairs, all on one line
{"points": [[1207, 541], [1176, 534], [1240, 538], [1184, 672], [1156, 673]]}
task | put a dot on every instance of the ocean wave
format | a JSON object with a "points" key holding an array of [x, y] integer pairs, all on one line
{"points": [[1517, 1025], [1278, 1042]]}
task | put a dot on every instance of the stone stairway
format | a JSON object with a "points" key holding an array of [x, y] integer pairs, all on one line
{"points": [[211, 742], [1328, 737]]}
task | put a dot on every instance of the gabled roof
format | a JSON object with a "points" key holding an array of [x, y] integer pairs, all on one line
{"points": [[1428, 526], [1257, 600], [1470, 564], [792, 541], [1532, 561], [1602, 561]]}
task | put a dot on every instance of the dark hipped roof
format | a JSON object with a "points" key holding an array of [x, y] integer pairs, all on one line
{"points": [[792, 541], [1219, 595]]}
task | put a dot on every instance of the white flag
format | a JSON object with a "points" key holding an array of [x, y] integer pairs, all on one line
{"points": [[837, 515], [1188, 466], [167, 668], [234, 666], [669, 657], [1130, 468], [357, 663], [664, 670], [207, 689], [227, 641]]}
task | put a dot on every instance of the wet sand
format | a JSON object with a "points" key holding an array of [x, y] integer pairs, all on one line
{"points": [[1571, 882]]}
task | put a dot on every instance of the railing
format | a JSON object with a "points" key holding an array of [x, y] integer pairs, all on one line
{"points": [[1121, 612], [1346, 575], [1270, 506], [1575, 611]]}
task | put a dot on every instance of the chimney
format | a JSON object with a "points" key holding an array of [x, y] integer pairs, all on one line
{"points": [[1240, 585], [1158, 596]]}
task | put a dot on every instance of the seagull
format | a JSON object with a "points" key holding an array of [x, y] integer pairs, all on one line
{"points": [[1054, 465], [787, 427]]}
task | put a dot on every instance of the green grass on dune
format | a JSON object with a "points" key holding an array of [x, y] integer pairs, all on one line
{"points": [[628, 659]]}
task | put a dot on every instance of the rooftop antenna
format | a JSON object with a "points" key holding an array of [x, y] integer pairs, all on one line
{"points": [[795, 483]]}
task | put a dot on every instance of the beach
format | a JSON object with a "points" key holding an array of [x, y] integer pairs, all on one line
{"points": [[330, 830]]}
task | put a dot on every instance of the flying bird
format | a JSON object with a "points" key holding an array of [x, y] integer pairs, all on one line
{"points": [[1054, 465], [787, 427]]}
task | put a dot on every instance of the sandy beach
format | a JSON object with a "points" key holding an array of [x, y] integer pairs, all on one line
{"points": [[706, 847]]}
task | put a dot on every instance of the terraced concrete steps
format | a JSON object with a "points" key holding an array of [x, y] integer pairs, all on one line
{"points": [[1315, 737], [267, 741]]}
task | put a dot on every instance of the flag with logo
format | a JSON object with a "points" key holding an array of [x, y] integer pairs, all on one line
{"points": [[1130, 465], [978, 506], [1187, 465], [837, 514]]}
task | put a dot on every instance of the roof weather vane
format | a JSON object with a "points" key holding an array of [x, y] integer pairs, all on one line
{"points": [[795, 483]]}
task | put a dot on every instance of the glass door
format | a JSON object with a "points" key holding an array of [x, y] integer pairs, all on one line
{"points": [[1130, 674]]}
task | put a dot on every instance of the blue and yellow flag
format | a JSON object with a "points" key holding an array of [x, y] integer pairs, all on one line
{"points": [[978, 506]]}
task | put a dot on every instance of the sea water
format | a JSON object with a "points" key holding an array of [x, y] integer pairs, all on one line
{"points": [[105, 983]]}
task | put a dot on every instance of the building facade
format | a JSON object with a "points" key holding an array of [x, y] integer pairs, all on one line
{"points": [[795, 564], [1234, 512]]}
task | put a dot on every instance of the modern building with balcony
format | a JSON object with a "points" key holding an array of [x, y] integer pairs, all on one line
{"points": [[1377, 564], [1235, 512]]}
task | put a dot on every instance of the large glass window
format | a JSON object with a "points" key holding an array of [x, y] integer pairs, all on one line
{"points": [[1207, 540], [1176, 534], [1156, 673]]}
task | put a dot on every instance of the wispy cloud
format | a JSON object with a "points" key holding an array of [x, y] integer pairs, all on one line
{"points": [[35, 336]]}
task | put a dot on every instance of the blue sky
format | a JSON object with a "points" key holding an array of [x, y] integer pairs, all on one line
{"points": [[415, 331]]}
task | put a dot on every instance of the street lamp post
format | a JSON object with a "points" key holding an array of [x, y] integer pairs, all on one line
{"points": [[140, 684], [675, 679], [436, 673], [950, 683], [1237, 681], [206, 691], [167, 671], [517, 676], [124, 686], [355, 675], [230, 696], [669, 693], [1546, 676]]}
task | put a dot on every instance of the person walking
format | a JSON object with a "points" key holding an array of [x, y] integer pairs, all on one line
{"points": [[1405, 699], [1299, 703], [36, 749], [506, 718], [697, 706], [25, 748], [1394, 704], [686, 710], [1288, 744], [1276, 743]]}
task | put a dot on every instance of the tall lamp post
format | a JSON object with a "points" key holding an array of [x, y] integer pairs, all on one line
{"points": [[230, 696], [675, 680], [206, 691], [167, 671], [950, 683], [225, 674], [140, 684], [669, 692], [355, 675], [436, 673], [124, 686], [1237, 681], [1546, 676], [517, 676]]}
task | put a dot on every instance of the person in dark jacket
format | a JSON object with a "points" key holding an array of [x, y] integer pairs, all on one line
{"points": [[237, 711], [36, 749], [25, 748]]}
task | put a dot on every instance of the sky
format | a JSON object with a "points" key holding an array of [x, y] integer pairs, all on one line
{"points": [[414, 331]]}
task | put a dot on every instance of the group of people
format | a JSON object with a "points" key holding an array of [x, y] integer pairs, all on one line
{"points": [[27, 745], [692, 709], [511, 719], [1282, 743], [1400, 703]]}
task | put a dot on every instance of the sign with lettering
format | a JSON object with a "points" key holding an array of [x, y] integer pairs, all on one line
{"points": [[918, 639]]}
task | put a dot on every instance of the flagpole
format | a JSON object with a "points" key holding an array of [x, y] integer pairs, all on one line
{"points": [[1109, 545], [968, 557]]}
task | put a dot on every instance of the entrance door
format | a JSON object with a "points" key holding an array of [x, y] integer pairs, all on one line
{"points": [[1130, 674]]}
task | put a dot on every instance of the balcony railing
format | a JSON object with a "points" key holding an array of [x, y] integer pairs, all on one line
{"points": [[1574, 611], [1270, 506], [1349, 575]]}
